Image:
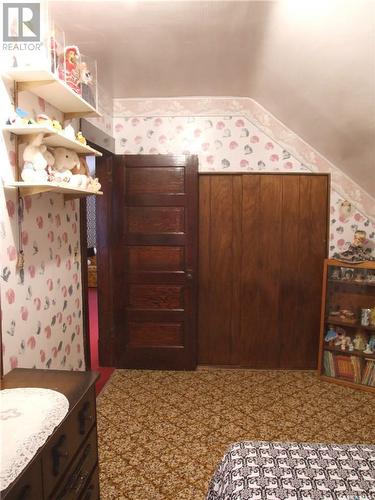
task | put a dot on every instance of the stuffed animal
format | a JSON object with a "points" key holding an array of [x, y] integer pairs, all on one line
{"points": [[35, 163], [68, 131], [81, 138], [66, 161], [54, 175]]}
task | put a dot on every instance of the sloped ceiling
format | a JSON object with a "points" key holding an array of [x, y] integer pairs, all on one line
{"points": [[310, 62]]}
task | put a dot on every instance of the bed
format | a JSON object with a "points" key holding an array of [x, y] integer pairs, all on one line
{"points": [[271, 470]]}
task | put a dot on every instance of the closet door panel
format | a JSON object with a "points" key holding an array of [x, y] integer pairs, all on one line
{"points": [[269, 263], [263, 239], [250, 273], [291, 285], [221, 266]]}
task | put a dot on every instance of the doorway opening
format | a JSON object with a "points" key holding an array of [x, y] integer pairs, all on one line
{"points": [[92, 285]]}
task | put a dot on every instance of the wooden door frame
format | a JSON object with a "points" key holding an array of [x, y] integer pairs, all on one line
{"points": [[84, 268]]}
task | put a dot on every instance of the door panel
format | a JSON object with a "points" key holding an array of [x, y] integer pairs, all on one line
{"points": [[156, 219], [163, 180], [263, 240], [155, 258], [156, 281]]}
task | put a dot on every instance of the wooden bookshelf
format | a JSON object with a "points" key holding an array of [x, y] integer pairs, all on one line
{"points": [[358, 370]]}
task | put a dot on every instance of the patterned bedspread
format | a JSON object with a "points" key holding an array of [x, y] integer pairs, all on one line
{"points": [[269, 470]]}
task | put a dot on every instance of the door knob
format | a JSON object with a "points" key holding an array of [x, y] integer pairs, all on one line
{"points": [[189, 275]]}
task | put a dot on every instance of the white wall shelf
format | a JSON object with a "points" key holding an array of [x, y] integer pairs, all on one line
{"points": [[49, 87], [69, 192], [53, 138]]}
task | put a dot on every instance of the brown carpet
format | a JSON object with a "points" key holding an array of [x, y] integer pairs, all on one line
{"points": [[161, 434]]}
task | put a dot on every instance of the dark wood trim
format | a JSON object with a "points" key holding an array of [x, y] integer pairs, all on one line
{"points": [[84, 283], [84, 269], [105, 258]]}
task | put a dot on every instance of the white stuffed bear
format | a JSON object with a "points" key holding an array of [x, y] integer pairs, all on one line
{"points": [[65, 161], [34, 167]]}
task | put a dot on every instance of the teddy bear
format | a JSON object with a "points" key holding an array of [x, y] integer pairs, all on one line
{"points": [[35, 163], [66, 163]]}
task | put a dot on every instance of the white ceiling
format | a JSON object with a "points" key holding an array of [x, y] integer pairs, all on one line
{"points": [[310, 62]]}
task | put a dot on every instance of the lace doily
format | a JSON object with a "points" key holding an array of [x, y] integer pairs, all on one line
{"points": [[28, 417]]}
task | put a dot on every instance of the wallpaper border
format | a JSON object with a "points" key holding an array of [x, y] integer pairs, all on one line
{"points": [[256, 114]]}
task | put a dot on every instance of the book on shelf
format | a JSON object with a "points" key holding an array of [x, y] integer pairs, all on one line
{"points": [[344, 367], [357, 363], [368, 377], [329, 366]]}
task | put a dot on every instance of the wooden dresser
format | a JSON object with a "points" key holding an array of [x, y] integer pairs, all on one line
{"points": [[66, 467]]}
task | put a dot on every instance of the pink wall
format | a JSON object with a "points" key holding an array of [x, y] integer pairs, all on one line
{"points": [[41, 313], [238, 135]]}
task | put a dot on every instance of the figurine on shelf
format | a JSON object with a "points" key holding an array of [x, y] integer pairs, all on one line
{"points": [[81, 138], [368, 350], [34, 167], [331, 335], [371, 343], [347, 315], [44, 120], [70, 72], [335, 274], [57, 125], [86, 82], [19, 117], [348, 274], [372, 317], [360, 341], [356, 252]]}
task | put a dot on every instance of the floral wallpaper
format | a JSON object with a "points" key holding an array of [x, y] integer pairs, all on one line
{"points": [[40, 305], [235, 143]]}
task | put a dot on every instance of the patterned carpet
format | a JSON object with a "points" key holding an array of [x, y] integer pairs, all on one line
{"points": [[161, 434]]}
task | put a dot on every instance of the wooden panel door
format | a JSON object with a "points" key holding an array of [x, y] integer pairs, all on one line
{"points": [[263, 240], [155, 254]]}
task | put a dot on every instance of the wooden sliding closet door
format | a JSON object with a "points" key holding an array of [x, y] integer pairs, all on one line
{"points": [[263, 239]]}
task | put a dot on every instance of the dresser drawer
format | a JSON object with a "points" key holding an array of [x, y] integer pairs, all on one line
{"points": [[61, 449], [79, 472], [29, 485], [92, 489]]}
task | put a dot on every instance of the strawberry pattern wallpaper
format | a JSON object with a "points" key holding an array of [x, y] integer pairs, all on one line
{"points": [[41, 304], [233, 144]]}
